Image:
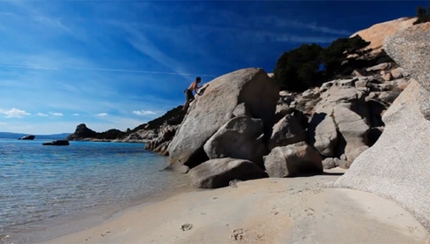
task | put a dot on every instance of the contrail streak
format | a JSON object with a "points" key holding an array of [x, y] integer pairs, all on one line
{"points": [[18, 66]]}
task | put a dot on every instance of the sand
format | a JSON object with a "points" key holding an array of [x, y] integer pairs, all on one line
{"points": [[272, 210]]}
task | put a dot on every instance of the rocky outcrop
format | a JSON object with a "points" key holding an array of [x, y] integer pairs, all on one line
{"points": [[397, 166], [220, 172], [57, 143], [82, 132], [293, 160], [251, 88], [142, 135], [160, 143], [345, 119], [27, 137]]}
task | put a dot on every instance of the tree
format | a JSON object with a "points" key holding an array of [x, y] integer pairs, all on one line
{"points": [[337, 53], [423, 15], [298, 69]]}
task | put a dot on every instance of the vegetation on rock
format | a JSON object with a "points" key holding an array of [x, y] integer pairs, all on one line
{"points": [[423, 15], [311, 65], [298, 69]]}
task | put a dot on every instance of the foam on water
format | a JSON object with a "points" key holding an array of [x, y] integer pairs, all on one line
{"points": [[39, 184]]}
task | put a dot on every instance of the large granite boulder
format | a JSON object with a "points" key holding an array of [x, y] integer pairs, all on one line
{"points": [[219, 172], [252, 87], [286, 131], [293, 160], [241, 137], [326, 137], [397, 166], [410, 49], [353, 129]]}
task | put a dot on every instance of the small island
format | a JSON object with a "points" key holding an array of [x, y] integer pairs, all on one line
{"points": [[57, 143], [27, 137]]}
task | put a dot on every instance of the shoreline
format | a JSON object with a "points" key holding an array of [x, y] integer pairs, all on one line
{"points": [[89, 218], [269, 210]]}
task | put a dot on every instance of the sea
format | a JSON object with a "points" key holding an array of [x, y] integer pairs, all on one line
{"points": [[43, 189]]}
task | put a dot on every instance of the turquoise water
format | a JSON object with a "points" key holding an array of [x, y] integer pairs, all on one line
{"points": [[39, 184]]}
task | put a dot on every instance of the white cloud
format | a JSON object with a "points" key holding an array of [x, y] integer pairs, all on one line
{"points": [[55, 114], [143, 112], [75, 114], [15, 113], [41, 114], [2, 123], [102, 114]]}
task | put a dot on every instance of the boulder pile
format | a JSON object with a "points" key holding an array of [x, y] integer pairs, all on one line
{"points": [[243, 116], [398, 165]]}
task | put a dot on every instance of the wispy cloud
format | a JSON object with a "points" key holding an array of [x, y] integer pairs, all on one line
{"points": [[102, 114], [15, 113], [327, 30], [302, 39], [56, 114], [42, 115], [144, 45], [144, 112], [19, 66], [294, 24], [75, 114], [52, 23]]}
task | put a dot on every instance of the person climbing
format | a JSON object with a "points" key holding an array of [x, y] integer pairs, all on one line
{"points": [[189, 92]]}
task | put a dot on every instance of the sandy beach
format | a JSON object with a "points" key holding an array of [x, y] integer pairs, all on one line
{"points": [[272, 210]]}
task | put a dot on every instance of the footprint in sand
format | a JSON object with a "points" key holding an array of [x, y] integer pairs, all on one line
{"points": [[238, 234], [186, 227]]}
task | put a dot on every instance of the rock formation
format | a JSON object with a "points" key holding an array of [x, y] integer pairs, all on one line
{"points": [[322, 127], [247, 90], [397, 166]]}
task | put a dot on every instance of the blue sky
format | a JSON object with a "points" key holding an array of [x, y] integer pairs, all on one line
{"points": [[118, 64]]}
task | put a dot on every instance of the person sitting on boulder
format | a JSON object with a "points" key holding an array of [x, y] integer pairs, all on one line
{"points": [[189, 92]]}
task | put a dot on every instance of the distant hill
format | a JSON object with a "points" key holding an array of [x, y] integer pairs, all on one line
{"points": [[19, 135]]}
